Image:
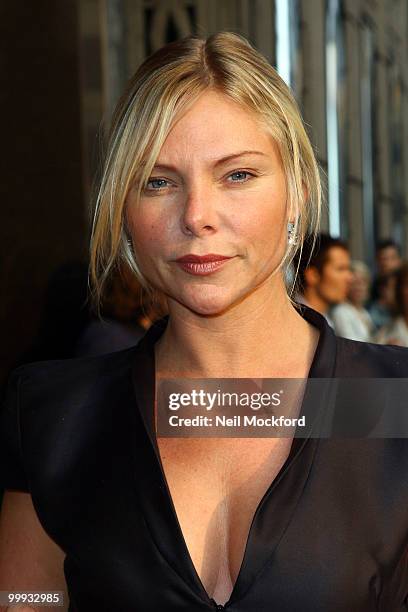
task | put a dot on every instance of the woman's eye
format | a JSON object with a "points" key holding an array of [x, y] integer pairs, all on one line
{"points": [[156, 184], [240, 176], [159, 184]]}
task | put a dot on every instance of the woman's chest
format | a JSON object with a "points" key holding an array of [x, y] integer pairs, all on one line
{"points": [[325, 538], [216, 487]]}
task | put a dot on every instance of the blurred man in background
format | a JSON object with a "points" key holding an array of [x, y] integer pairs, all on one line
{"points": [[324, 274], [388, 257]]}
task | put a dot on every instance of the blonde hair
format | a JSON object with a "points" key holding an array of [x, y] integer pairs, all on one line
{"points": [[361, 268], [166, 85]]}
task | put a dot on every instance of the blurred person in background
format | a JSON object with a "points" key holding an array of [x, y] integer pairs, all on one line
{"points": [[351, 319], [127, 313], [382, 308], [387, 257], [388, 260], [396, 332], [324, 273]]}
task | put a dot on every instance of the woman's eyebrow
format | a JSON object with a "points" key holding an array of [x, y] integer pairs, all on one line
{"points": [[215, 163]]}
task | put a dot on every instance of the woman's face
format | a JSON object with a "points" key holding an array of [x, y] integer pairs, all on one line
{"points": [[218, 187], [359, 289]]}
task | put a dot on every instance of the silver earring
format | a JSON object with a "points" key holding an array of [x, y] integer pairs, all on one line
{"points": [[291, 233]]}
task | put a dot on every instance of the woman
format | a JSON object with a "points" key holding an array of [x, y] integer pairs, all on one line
{"points": [[351, 319], [210, 185], [383, 307], [396, 332]]}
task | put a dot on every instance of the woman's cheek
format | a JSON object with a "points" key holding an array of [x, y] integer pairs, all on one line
{"points": [[148, 243], [263, 228], [145, 229]]}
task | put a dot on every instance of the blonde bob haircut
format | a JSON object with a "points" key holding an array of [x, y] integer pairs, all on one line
{"points": [[164, 87]]}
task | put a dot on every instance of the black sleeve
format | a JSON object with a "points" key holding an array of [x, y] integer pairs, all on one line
{"points": [[12, 472]]}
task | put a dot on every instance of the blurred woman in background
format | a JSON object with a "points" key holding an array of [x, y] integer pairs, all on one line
{"points": [[396, 332], [351, 319], [382, 308]]}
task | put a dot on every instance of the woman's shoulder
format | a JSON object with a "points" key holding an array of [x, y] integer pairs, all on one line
{"points": [[48, 404], [367, 359], [68, 374]]}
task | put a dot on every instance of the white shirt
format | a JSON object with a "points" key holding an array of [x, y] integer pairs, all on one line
{"points": [[396, 332], [352, 322]]}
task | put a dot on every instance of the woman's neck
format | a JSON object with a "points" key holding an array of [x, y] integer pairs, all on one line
{"points": [[267, 339]]}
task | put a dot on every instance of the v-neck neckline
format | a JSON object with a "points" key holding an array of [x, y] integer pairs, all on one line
{"points": [[284, 491]]}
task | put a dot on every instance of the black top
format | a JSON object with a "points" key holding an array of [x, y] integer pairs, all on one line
{"points": [[329, 535]]}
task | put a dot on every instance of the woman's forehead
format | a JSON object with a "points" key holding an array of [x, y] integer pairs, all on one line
{"points": [[213, 161], [217, 121], [216, 154]]}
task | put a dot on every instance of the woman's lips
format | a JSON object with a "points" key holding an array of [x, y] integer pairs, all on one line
{"points": [[201, 268]]}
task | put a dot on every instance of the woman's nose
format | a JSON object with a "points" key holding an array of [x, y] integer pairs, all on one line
{"points": [[199, 215]]}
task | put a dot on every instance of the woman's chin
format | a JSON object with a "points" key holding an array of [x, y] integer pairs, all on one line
{"points": [[208, 301]]}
